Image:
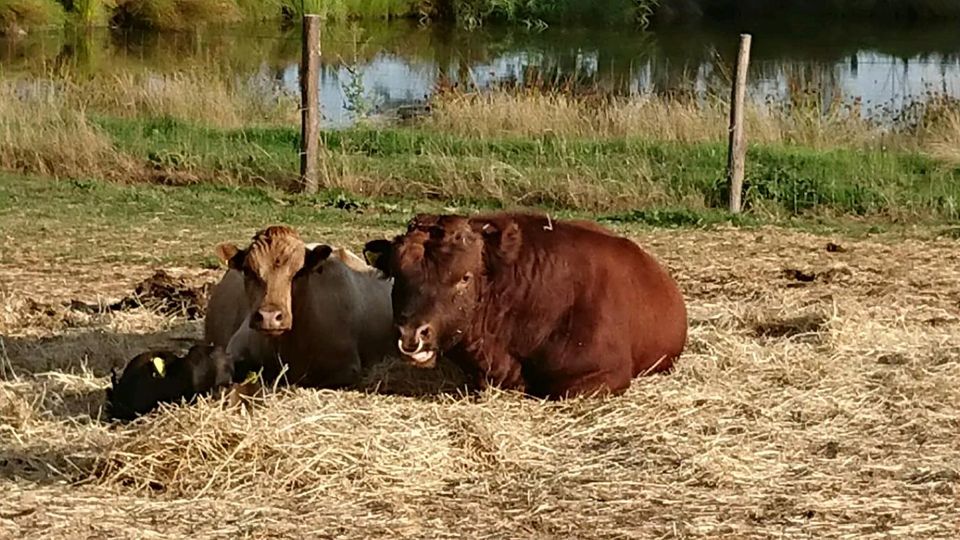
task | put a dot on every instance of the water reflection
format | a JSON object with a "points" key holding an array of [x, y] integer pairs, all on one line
{"points": [[381, 66]]}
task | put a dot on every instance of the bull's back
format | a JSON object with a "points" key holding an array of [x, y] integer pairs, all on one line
{"points": [[635, 295], [651, 302]]}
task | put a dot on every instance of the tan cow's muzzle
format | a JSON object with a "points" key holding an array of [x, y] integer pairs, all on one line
{"points": [[270, 321]]}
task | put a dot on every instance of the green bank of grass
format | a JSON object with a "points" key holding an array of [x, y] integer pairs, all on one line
{"points": [[179, 225], [586, 174], [147, 223]]}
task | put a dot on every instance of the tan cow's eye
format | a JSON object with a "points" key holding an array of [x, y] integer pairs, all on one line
{"points": [[466, 278]]}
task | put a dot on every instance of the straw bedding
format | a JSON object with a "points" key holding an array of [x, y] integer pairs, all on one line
{"points": [[819, 396]]}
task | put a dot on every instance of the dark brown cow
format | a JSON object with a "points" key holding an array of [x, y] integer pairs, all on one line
{"points": [[552, 308]]}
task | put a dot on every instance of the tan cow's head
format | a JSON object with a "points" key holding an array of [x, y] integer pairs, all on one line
{"points": [[274, 260]]}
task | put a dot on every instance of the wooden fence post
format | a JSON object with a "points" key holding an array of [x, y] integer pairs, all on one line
{"points": [[310, 103], [737, 152]]}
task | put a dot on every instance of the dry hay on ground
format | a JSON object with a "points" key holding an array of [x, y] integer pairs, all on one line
{"points": [[820, 397]]}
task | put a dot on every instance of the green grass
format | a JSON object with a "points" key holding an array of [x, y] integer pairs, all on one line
{"points": [[136, 221], [597, 175], [166, 225]]}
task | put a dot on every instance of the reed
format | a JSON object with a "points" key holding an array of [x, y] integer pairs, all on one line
{"points": [[88, 13]]}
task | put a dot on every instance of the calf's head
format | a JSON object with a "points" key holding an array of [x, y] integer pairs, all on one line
{"points": [[440, 267], [144, 384], [156, 377], [275, 258]]}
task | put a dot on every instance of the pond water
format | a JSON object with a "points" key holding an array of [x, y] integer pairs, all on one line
{"points": [[378, 67]]}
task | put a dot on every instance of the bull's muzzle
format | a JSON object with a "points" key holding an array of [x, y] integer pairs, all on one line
{"points": [[417, 346]]}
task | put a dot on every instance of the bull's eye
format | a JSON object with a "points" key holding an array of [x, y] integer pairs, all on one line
{"points": [[466, 278]]}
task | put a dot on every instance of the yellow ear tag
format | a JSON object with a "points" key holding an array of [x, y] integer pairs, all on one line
{"points": [[159, 365], [252, 377], [371, 257]]}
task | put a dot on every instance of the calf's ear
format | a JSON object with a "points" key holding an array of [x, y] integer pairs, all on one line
{"points": [[377, 254], [231, 255], [313, 258]]}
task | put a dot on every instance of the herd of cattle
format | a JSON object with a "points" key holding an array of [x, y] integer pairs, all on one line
{"points": [[519, 301]]}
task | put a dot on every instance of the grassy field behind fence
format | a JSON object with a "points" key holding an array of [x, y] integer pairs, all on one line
{"points": [[504, 149]]}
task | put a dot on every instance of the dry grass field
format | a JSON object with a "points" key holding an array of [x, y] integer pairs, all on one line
{"points": [[819, 397]]}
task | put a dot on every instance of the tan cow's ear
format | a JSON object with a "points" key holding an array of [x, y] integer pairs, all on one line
{"points": [[315, 257], [227, 253]]}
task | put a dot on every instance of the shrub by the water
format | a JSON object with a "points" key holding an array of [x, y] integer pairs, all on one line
{"points": [[18, 15], [174, 14]]}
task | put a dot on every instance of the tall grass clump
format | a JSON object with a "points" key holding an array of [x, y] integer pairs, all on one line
{"points": [[16, 16], [930, 125], [197, 95], [40, 133], [937, 125], [661, 118]]}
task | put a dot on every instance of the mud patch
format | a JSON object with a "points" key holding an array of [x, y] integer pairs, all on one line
{"points": [[803, 325], [797, 276], [168, 295]]}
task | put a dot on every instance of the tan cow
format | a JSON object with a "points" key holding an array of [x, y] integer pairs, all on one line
{"points": [[319, 312]]}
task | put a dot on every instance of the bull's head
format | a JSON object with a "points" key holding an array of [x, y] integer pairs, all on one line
{"points": [[440, 267], [275, 258]]}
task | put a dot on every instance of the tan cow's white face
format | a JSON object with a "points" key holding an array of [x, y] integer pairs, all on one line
{"points": [[276, 257]]}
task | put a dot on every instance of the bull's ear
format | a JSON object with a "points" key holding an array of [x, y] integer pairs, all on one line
{"points": [[501, 240], [422, 221], [231, 255], [313, 258], [377, 253], [114, 377]]}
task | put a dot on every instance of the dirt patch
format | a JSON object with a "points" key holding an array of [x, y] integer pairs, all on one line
{"points": [[808, 324], [166, 295], [827, 275]]}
